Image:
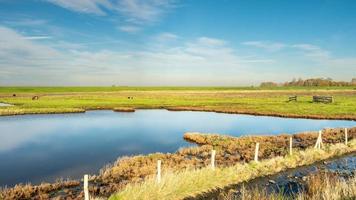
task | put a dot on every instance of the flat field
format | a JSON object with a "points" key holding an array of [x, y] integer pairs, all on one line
{"points": [[247, 100]]}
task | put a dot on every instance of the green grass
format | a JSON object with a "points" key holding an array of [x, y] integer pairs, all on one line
{"points": [[29, 89], [191, 183], [224, 99]]}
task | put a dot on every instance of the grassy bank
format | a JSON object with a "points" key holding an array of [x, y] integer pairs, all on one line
{"points": [[135, 169], [258, 101], [191, 183]]}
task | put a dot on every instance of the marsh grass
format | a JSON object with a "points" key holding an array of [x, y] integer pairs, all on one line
{"points": [[192, 183]]}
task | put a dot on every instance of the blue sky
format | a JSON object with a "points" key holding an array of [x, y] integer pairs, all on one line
{"points": [[175, 42]]}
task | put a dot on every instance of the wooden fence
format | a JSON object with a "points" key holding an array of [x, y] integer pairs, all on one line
{"points": [[292, 98], [323, 99]]}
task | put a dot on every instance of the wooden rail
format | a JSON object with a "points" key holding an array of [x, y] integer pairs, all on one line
{"points": [[292, 98], [323, 99]]}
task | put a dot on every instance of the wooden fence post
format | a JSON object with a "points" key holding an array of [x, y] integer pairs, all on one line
{"points": [[319, 141], [213, 152], [86, 190], [159, 171], [256, 151], [346, 138], [290, 145]]}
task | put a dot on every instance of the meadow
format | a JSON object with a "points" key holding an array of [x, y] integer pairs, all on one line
{"points": [[244, 100]]}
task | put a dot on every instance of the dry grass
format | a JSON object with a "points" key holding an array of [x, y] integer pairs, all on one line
{"points": [[190, 183]]}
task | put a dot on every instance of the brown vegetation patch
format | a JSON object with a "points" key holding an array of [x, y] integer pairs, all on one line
{"points": [[123, 109]]}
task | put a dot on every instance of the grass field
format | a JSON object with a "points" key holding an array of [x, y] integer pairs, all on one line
{"points": [[249, 100]]}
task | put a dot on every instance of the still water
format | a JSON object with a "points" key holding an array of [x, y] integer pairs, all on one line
{"points": [[36, 148]]}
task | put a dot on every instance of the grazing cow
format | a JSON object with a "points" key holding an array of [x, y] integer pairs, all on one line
{"points": [[35, 98], [14, 95], [130, 97]]}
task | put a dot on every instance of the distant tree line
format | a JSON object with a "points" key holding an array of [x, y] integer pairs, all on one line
{"points": [[310, 82]]}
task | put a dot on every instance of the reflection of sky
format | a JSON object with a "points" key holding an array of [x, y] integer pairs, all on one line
{"points": [[45, 147]]}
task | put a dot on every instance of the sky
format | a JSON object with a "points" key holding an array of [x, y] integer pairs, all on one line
{"points": [[175, 42]]}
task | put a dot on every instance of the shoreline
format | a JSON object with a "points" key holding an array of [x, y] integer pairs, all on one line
{"points": [[45, 111], [135, 169]]}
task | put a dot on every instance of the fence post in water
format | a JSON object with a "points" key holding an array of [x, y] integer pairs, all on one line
{"points": [[159, 171], [346, 138], [213, 152], [290, 145], [256, 151], [86, 190]]}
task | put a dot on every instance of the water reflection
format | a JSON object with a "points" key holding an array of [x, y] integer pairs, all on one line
{"points": [[39, 148]]}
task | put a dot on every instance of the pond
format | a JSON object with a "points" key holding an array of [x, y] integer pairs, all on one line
{"points": [[36, 148]]}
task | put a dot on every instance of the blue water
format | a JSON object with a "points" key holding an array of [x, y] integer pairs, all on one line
{"points": [[36, 148]]}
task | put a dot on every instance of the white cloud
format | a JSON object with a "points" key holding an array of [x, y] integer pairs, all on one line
{"points": [[129, 28], [162, 37], [312, 50], [204, 61], [139, 11], [37, 37], [16, 50], [28, 62], [26, 22], [270, 46], [135, 12], [84, 6], [211, 41]]}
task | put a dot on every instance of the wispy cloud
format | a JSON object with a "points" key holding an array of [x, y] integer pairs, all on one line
{"points": [[84, 6], [28, 58], [16, 50], [136, 13], [142, 11], [312, 50], [26, 22], [37, 37], [204, 60], [211, 41], [270, 46], [163, 37], [129, 28]]}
